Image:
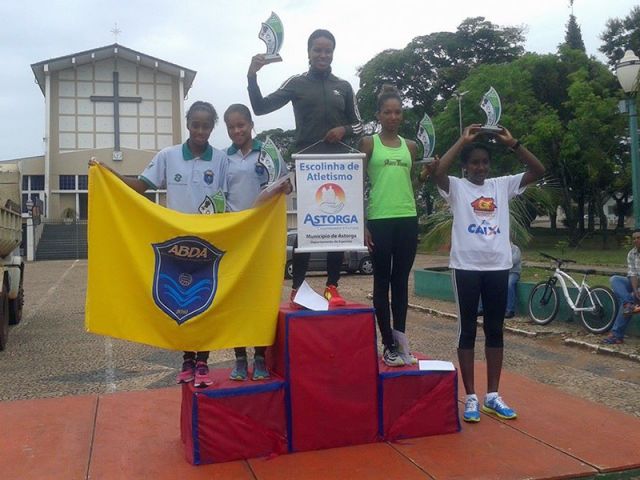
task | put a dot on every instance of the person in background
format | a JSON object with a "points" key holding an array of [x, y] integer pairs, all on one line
{"points": [[626, 290], [325, 113]]}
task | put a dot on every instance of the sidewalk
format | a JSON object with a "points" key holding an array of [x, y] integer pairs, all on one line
{"points": [[572, 333]]}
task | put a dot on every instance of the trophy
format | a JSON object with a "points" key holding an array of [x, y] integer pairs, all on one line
{"points": [[271, 160], [272, 34], [492, 108], [426, 138]]}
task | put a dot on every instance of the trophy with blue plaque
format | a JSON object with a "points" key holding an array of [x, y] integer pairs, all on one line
{"points": [[493, 109], [272, 34], [426, 138]]}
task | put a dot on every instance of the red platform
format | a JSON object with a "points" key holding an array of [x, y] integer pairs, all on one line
{"points": [[233, 420], [417, 403], [329, 360]]}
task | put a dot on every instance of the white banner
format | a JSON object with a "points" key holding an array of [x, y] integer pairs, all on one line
{"points": [[330, 202]]}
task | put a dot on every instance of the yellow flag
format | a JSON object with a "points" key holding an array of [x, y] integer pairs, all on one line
{"points": [[182, 281]]}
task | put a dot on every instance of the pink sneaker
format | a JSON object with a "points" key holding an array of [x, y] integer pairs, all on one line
{"points": [[188, 371], [202, 375]]}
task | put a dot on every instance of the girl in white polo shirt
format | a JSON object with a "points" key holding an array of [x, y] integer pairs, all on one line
{"points": [[246, 179], [480, 256], [195, 177]]}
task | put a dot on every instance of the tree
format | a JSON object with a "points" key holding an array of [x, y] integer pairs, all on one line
{"points": [[573, 35], [621, 34], [428, 70]]}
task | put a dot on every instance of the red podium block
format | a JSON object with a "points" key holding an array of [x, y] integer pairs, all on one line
{"points": [[233, 420], [417, 403], [329, 359]]}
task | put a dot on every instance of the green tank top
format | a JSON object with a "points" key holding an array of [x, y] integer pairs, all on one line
{"points": [[389, 170]]}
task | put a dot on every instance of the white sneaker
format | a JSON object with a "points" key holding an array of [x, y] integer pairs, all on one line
{"points": [[391, 358], [403, 348]]}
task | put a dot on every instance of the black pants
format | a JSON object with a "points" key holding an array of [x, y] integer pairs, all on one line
{"points": [[395, 242], [197, 356], [468, 287], [301, 264]]}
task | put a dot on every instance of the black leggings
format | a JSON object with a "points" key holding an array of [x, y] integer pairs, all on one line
{"points": [[468, 287], [301, 263], [395, 241]]}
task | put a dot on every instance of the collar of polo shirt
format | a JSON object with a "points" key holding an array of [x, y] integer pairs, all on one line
{"points": [[187, 154], [255, 147]]}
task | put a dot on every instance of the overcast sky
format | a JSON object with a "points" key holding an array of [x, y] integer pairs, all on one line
{"points": [[217, 38]]}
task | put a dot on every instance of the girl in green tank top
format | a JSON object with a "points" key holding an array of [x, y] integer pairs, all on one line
{"points": [[391, 233]]}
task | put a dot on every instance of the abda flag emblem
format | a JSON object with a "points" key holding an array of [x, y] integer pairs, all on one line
{"points": [[185, 278]]}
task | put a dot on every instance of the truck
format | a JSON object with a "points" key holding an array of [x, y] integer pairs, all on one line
{"points": [[11, 261]]}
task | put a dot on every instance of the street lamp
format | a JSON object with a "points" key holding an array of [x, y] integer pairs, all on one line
{"points": [[459, 96], [627, 73]]}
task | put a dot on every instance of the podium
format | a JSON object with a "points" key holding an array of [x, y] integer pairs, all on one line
{"points": [[328, 389]]}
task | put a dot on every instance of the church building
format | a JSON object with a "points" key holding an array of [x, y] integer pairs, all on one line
{"points": [[112, 103]]}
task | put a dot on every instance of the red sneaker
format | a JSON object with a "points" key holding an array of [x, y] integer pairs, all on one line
{"points": [[202, 375], [335, 299]]}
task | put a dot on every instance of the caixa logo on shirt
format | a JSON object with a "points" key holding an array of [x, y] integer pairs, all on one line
{"points": [[485, 228], [185, 279]]}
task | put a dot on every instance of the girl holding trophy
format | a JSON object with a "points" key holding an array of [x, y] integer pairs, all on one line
{"points": [[480, 256], [325, 113], [392, 224], [246, 178]]}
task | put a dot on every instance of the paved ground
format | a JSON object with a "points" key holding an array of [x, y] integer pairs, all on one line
{"points": [[49, 354]]}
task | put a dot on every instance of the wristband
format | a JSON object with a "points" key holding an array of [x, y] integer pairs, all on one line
{"points": [[515, 146]]}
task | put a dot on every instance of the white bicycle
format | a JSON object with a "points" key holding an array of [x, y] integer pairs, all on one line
{"points": [[597, 305]]}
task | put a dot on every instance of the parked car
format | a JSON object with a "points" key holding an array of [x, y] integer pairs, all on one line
{"points": [[353, 261]]}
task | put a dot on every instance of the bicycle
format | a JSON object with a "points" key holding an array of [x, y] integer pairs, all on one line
{"points": [[597, 305]]}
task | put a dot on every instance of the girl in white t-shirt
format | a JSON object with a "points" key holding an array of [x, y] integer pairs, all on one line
{"points": [[480, 256]]}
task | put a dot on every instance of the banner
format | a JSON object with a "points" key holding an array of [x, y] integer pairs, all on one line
{"points": [[330, 202], [182, 281]]}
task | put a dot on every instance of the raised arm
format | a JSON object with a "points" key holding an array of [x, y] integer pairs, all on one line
{"points": [[535, 169], [135, 183], [263, 105], [440, 174]]}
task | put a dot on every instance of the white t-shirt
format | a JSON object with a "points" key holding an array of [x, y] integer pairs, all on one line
{"points": [[480, 233], [194, 184]]}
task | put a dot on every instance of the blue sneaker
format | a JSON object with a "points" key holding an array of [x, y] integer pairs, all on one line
{"points": [[471, 410], [498, 408], [239, 371], [260, 371]]}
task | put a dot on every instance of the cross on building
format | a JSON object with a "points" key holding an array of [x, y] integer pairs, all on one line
{"points": [[116, 99]]}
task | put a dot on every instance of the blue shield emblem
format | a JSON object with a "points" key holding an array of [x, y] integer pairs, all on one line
{"points": [[185, 279]]}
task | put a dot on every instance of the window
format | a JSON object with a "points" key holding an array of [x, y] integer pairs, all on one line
{"points": [[67, 182], [37, 182], [25, 182], [83, 182]]}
